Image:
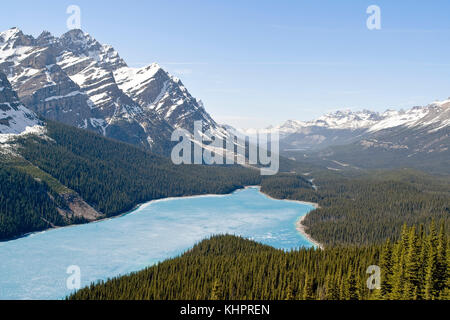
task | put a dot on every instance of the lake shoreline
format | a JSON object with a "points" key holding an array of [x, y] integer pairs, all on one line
{"points": [[301, 228], [154, 233], [126, 212]]}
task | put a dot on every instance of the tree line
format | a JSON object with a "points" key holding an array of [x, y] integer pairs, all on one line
{"points": [[366, 209], [111, 176], [229, 268]]}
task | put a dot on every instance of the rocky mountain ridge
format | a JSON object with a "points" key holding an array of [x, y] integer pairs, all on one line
{"points": [[77, 80]]}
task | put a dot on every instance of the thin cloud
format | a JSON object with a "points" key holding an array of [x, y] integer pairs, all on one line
{"points": [[185, 63], [183, 72]]}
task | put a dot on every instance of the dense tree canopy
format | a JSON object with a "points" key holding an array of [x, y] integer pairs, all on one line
{"points": [[228, 267], [367, 209], [25, 204], [111, 176]]}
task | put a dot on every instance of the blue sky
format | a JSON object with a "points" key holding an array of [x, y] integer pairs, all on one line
{"points": [[256, 63]]}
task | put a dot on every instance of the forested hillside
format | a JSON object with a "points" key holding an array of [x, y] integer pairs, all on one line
{"points": [[24, 204], [110, 176], [227, 267], [368, 208], [114, 176]]}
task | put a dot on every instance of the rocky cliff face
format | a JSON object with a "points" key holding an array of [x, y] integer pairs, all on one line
{"points": [[14, 117], [165, 95], [76, 80]]}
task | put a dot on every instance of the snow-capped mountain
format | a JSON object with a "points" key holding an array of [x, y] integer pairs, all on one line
{"points": [[158, 91], [418, 138], [343, 127], [76, 80], [337, 120], [372, 121], [14, 117]]}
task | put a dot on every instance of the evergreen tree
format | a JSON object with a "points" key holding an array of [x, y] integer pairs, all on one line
{"points": [[331, 288], [386, 266], [399, 253], [411, 271], [227, 267], [441, 264], [351, 292], [431, 277], [216, 291], [308, 290]]}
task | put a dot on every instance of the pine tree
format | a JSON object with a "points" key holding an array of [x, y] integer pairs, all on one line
{"points": [[441, 267], [446, 292], [432, 263], [422, 262], [313, 274], [398, 277], [351, 292], [331, 288], [386, 270], [289, 294], [412, 283], [216, 292], [308, 290]]}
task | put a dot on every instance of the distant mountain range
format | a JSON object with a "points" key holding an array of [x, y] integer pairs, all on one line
{"points": [[76, 80], [342, 127], [418, 137]]}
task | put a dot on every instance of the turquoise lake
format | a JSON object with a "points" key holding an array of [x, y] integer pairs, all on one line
{"points": [[35, 267]]}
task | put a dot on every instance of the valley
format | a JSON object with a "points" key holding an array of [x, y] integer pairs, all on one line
{"points": [[89, 182]]}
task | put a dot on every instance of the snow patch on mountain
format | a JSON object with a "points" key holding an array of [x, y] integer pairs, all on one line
{"points": [[134, 80], [38, 130], [370, 121], [74, 78], [84, 45], [393, 119], [14, 117]]}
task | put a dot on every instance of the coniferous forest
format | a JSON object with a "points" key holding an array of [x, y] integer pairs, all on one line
{"points": [[397, 220], [111, 176], [416, 267], [367, 209], [24, 204], [250, 152]]}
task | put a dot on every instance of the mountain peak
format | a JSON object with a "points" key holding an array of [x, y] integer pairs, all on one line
{"points": [[45, 34], [443, 104], [10, 33], [88, 85], [45, 38], [153, 65], [148, 70], [75, 33], [83, 44], [78, 38], [15, 37]]}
